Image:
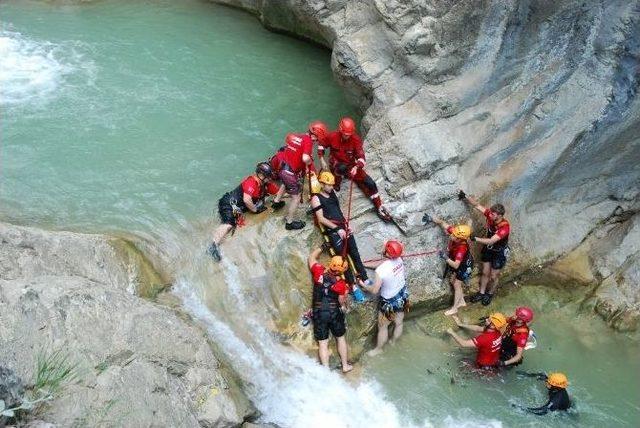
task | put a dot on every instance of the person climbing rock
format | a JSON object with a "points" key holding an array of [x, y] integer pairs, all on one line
{"points": [[556, 384], [390, 281], [326, 207], [248, 196], [328, 307], [458, 259], [347, 159], [515, 337], [488, 342], [290, 163], [495, 248]]}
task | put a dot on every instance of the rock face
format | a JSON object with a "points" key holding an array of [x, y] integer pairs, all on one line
{"points": [[529, 103], [139, 364]]}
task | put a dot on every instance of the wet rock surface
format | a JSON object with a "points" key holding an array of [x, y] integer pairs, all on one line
{"points": [[138, 364], [528, 103]]}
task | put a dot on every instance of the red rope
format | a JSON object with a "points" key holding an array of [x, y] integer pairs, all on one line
{"points": [[424, 253]]}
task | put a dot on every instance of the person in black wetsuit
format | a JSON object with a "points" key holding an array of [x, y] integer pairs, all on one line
{"points": [[248, 196], [326, 207], [557, 384], [328, 300]]}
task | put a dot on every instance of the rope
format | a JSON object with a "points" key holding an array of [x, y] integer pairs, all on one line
{"points": [[346, 222]]}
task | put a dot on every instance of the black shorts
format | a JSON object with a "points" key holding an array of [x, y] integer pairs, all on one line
{"points": [[328, 320], [225, 210], [497, 258]]}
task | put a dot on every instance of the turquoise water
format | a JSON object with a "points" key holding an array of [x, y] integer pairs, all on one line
{"points": [[136, 115], [425, 375]]}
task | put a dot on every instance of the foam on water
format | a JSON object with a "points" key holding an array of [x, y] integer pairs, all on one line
{"points": [[33, 71]]}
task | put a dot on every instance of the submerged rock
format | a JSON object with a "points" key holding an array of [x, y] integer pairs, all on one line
{"points": [[528, 103], [138, 364]]}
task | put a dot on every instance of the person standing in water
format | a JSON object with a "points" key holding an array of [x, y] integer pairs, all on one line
{"points": [[515, 337], [391, 283], [248, 196], [556, 384], [290, 164], [329, 299], [458, 259], [495, 248], [488, 342]]}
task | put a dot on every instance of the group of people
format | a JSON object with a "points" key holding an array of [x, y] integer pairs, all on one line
{"points": [[501, 341]]}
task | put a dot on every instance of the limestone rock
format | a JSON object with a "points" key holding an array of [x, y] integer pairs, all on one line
{"points": [[528, 103], [139, 364]]}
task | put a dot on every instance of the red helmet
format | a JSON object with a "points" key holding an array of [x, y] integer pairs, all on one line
{"points": [[319, 129], [347, 126], [524, 313], [393, 249]]}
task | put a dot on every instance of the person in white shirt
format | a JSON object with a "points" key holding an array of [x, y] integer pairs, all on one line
{"points": [[391, 283]]}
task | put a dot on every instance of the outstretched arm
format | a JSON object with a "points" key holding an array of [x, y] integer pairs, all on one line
{"points": [[467, 326], [375, 287], [465, 343], [313, 257], [474, 203], [443, 224]]}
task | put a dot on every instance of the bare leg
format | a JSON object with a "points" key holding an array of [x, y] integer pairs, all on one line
{"points": [[397, 329], [280, 193], [293, 206], [221, 232], [458, 296], [495, 273], [485, 277], [323, 352], [383, 334], [341, 344]]}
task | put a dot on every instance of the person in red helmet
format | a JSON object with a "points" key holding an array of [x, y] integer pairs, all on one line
{"points": [[391, 283], [290, 164], [347, 159], [495, 248], [515, 337], [248, 196]]}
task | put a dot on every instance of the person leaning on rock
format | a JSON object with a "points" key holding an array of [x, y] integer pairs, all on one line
{"points": [[495, 248], [328, 300], [458, 259], [347, 159], [248, 196], [391, 283]]}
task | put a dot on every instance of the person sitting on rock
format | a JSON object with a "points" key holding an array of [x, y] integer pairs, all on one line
{"points": [[347, 159], [557, 384], [326, 207], [328, 307], [391, 283], [488, 342], [458, 259], [495, 248], [515, 337], [248, 196], [290, 164]]}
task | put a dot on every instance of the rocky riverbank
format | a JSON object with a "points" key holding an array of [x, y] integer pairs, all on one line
{"points": [[524, 102], [136, 363]]}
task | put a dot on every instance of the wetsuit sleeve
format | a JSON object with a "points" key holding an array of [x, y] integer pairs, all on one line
{"points": [[317, 270], [481, 340], [460, 253], [542, 410], [340, 287], [503, 230], [250, 187]]}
